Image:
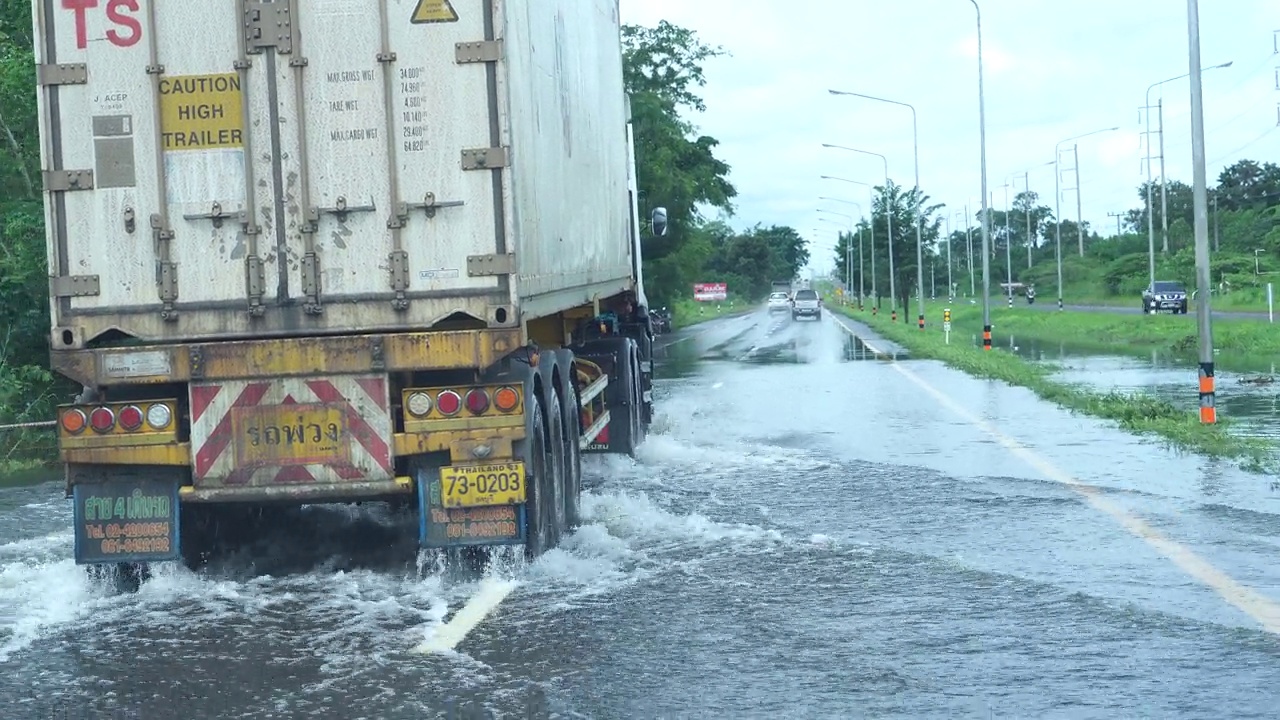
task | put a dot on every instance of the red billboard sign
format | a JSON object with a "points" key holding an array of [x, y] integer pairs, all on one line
{"points": [[710, 292]]}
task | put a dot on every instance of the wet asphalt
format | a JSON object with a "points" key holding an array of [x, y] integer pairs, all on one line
{"points": [[809, 532]]}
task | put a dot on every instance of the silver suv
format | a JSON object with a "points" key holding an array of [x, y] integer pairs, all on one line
{"points": [[806, 302]]}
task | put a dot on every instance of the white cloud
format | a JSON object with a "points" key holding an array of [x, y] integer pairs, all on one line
{"points": [[1051, 71]]}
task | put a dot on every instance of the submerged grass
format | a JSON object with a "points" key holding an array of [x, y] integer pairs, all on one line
{"points": [[1134, 412]]}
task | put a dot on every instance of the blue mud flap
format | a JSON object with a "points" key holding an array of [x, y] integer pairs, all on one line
{"points": [[439, 527], [126, 521]]}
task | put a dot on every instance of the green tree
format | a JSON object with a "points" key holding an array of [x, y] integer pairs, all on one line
{"points": [[676, 166]]}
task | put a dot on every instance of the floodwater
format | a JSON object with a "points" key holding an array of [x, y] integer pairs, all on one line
{"points": [[809, 532], [1252, 397]]}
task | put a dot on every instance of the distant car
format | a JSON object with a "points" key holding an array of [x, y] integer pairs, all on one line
{"points": [[779, 302], [1165, 295], [806, 303]]}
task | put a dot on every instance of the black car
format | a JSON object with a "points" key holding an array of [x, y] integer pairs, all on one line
{"points": [[1165, 295]]}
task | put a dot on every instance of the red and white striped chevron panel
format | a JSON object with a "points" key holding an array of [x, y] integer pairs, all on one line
{"points": [[291, 430]]}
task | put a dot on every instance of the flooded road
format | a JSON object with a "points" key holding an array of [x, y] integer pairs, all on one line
{"points": [[809, 532]]}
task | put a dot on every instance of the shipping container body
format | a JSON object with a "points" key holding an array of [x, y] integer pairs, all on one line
{"points": [[247, 169]]}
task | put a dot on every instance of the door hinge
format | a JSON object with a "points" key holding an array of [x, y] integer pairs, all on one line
{"points": [[399, 261], [478, 52], [62, 74], [267, 25], [255, 282], [490, 265], [484, 158], [68, 180], [311, 284], [74, 286]]}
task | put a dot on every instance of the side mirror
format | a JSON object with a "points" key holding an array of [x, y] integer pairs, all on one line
{"points": [[659, 221]]}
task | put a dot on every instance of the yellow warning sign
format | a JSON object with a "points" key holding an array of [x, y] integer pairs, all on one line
{"points": [[201, 112], [434, 11]]}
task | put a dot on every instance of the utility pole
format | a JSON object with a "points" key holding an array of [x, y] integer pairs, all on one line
{"points": [[1008, 246], [1075, 151], [1117, 216], [1164, 193], [1204, 319]]}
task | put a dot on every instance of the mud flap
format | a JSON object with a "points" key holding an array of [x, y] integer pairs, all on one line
{"points": [[126, 520], [439, 527]]}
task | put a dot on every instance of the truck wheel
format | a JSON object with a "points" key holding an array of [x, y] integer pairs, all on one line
{"points": [[537, 528], [572, 456], [557, 460]]}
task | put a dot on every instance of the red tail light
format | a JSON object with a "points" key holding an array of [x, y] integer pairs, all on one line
{"points": [[131, 418], [448, 403], [477, 401], [102, 420]]}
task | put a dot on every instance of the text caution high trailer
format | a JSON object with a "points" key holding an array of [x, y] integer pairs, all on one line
{"points": [[338, 251]]}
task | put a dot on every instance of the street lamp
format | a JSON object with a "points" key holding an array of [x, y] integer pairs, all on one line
{"points": [[1164, 205], [1057, 203], [888, 215], [915, 155], [1204, 322], [870, 228], [986, 230], [861, 285]]}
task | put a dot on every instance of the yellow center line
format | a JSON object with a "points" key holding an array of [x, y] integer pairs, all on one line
{"points": [[446, 637], [1262, 609]]}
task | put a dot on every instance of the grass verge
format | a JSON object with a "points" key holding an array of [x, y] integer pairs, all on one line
{"points": [[690, 312], [1134, 412], [1244, 341]]}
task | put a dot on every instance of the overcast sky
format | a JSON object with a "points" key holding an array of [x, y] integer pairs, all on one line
{"points": [[1052, 70]]}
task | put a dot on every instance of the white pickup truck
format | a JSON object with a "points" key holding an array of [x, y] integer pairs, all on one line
{"points": [[806, 302]]}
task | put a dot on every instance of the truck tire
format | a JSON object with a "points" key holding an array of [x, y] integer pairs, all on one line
{"points": [[573, 452], [557, 461], [537, 526]]}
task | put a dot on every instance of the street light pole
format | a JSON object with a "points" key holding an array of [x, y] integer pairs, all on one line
{"points": [[968, 239], [915, 155], [849, 250], [1026, 210], [871, 229], [1204, 321], [986, 230], [888, 215]]}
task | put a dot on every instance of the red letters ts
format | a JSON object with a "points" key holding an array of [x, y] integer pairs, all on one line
{"points": [[127, 31]]}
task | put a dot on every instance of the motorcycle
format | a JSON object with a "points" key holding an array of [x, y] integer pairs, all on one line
{"points": [[660, 319], [1031, 296]]}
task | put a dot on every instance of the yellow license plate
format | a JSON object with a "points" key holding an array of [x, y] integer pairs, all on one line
{"points": [[290, 435], [477, 485]]}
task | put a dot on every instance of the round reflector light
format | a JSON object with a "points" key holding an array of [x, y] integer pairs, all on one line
{"points": [[102, 420], [448, 402], [159, 416], [131, 418], [419, 404], [73, 421], [506, 399], [477, 401]]}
